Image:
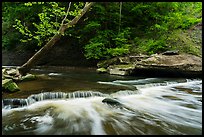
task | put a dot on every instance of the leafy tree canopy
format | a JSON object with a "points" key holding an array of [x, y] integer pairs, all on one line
{"points": [[109, 29]]}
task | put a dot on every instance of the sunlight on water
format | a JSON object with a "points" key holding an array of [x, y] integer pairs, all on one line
{"points": [[156, 107]]}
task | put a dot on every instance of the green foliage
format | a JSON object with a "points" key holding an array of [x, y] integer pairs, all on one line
{"points": [[97, 46], [145, 27], [92, 25], [150, 46], [107, 44], [159, 33], [95, 50], [118, 51], [10, 12], [122, 45], [50, 17]]}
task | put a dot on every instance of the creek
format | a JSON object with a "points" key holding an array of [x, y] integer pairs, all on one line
{"points": [[70, 101]]}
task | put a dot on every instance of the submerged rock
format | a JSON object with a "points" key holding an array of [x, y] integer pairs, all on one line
{"points": [[28, 77], [111, 101]]}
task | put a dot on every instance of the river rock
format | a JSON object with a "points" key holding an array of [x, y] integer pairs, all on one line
{"points": [[6, 82], [10, 76], [12, 71], [111, 101], [28, 77], [13, 87], [4, 76], [9, 85], [101, 70]]}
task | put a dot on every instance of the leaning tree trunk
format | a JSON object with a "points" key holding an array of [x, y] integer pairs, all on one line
{"points": [[25, 68]]}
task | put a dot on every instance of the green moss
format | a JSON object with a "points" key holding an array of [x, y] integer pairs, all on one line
{"points": [[101, 70], [28, 77], [128, 66], [9, 85], [13, 87], [6, 82]]}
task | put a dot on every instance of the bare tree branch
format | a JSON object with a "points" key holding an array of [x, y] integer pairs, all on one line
{"points": [[25, 68], [66, 13], [63, 27], [76, 19]]}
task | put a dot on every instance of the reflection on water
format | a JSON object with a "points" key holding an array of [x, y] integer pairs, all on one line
{"points": [[149, 106]]}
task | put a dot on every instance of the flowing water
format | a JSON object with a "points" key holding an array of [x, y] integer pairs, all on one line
{"points": [[71, 101]]}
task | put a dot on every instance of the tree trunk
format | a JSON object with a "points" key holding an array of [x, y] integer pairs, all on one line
{"points": [[25, 68]]}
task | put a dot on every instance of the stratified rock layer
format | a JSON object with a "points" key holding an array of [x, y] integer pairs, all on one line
{"points": [[175, 65]]}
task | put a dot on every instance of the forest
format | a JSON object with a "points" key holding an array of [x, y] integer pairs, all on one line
{"points": [[109, 29]]}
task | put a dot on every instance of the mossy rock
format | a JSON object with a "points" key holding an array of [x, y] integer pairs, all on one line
{"points": [[28, 77], [101, 70], [6, 82], [13, 87], [12, 71], [128, 66], [9, 85]]}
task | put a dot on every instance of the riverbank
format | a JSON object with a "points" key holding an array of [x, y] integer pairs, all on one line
{"points": [[167, 64]]}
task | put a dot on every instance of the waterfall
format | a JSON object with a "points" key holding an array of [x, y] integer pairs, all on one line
{"points": [[15, 103]]}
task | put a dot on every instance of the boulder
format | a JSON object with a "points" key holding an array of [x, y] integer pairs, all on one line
{"points": [[13, 87], [9, 85], [12, 71], [7, 76], [168, 64], [6, 82], [4, 71]]}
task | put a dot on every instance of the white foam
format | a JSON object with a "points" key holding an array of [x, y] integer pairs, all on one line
{"points": [[150, 105], [55, 74]]}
